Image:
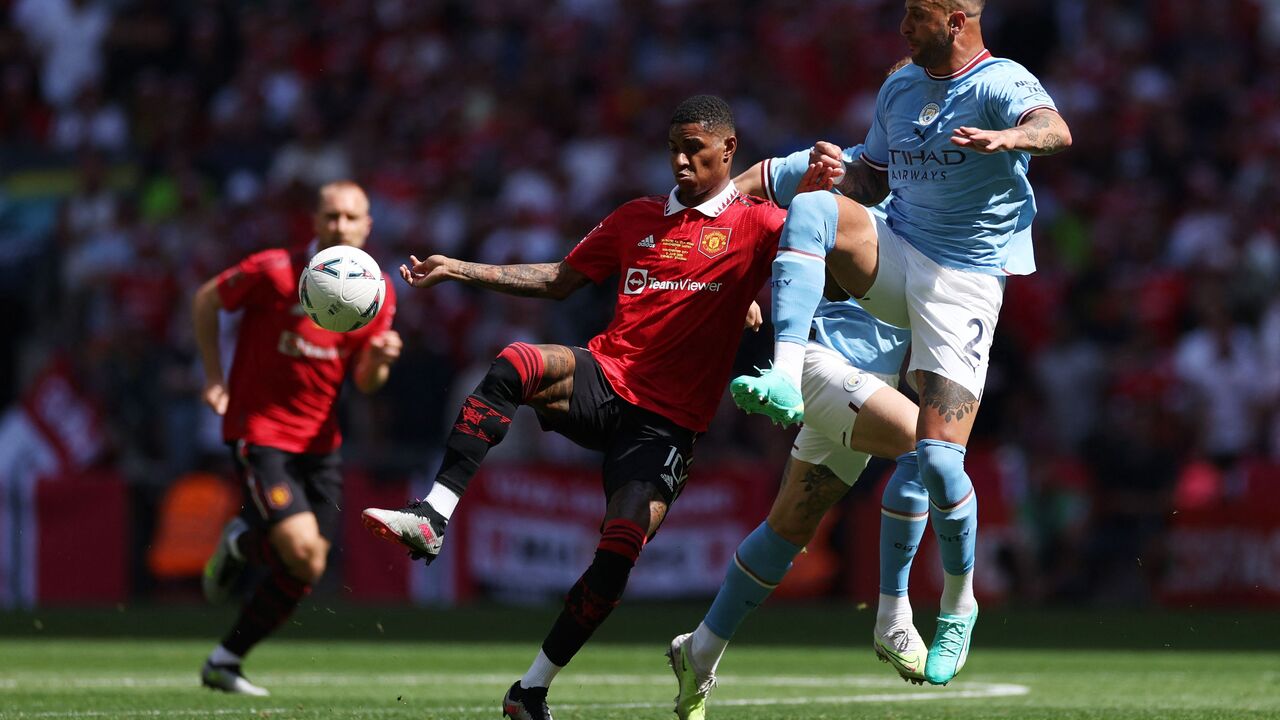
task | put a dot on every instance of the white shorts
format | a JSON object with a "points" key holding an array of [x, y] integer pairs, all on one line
{"points": [[952, 313], [834, 391]]}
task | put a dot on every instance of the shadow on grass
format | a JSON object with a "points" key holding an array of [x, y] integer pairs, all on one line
{"points": [[639, 622]]}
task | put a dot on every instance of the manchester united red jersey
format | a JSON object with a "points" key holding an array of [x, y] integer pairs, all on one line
{"points": [[287, 371], [686, 277]]}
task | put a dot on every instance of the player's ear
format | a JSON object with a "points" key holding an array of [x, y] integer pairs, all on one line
{"points": [[730, 147], [956, 22]]}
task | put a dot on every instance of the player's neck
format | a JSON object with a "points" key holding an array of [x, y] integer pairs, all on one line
{"points": [[962, 53], [696, 200]]}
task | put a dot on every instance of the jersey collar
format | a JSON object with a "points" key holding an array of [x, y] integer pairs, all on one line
{"points": [[973, 63], [712, 207]]}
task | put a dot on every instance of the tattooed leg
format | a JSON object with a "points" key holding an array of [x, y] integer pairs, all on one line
{"points": [[551, 397], [807, 492], [947, 409]]}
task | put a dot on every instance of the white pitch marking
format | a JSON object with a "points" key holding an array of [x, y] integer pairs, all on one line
{"points": [[966, 690], [256, 712], [34, 680]]}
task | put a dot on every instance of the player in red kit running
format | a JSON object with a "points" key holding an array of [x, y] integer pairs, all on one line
{"points": [[688, 265], [279, 416]]}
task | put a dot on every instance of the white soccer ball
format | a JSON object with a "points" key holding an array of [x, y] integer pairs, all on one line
{"points": [[341, 288]]}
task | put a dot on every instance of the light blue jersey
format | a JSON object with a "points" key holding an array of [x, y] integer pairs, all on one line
{"points": [[845, 327], [958, 207]]}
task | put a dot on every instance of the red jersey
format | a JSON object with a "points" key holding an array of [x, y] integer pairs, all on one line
{"points": [[686, 279], [287, 370]]}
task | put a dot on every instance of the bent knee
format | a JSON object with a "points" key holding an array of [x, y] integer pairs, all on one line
{"points": [[304, 560], [817, 202], [942, 471], [640, 502], [794, 527]]}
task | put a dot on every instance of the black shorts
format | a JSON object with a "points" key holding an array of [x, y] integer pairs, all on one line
{"points": [[638, 445], [279, 484]]}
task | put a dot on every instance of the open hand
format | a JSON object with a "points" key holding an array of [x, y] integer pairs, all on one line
{"points": [[982, 141], [425, 273]]}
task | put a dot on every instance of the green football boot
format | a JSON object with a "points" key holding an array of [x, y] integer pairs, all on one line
{"points": [[904, 650], [691, 700], [770, 394], [950, 647]]}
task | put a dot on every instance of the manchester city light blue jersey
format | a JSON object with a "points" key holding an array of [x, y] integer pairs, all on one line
{"points": [[845, 327], [958, 207]]}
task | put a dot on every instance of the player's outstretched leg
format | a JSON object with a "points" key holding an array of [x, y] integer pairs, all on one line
{"points": [[588, 603], [515, 376], [799, 277], [692, 685], [954, 513], [761, 561], [904, 512]]}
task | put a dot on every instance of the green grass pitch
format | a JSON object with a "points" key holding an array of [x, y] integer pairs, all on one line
{"points": [[802, 663]]}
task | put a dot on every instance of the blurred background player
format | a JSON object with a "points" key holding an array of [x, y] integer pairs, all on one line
{"points": [[279, 415], [690, 265], [852, 411], [959, 221]]}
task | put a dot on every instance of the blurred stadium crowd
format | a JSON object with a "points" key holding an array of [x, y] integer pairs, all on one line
{"points": [[147, 144]]}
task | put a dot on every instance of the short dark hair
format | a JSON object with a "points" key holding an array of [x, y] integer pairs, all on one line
{"points": [[709, 111], [972, 8]]}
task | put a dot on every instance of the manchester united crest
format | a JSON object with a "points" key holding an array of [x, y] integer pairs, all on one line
{"points": [[714, 241], [279, 496]]}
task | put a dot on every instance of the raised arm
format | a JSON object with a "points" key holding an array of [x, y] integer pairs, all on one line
{"points": [[555, 281], [1041, 132], [774, 179]]}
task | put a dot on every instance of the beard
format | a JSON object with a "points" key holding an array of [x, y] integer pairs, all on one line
{"points": [[934, 52]]}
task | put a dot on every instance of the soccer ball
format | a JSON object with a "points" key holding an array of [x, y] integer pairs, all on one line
{"points": [[341, 288]]}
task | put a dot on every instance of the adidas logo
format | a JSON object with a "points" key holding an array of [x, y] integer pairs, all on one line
{"points": [[646, 243]]}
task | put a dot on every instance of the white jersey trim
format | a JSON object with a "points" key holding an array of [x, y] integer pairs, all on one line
{"points": [[712, 207], [1028, 111]]}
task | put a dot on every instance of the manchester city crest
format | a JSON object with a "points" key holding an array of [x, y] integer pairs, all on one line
{"points": [[929, 113], [854, 381]]}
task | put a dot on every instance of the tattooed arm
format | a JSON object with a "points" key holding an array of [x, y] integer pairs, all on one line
{"points": [[863, 183], [542, 280], [1042, 132]]}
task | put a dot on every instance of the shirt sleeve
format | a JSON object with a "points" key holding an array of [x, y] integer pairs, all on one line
{"points": [[782, 176], [1015, 93], [596, 254], [247, 281]]}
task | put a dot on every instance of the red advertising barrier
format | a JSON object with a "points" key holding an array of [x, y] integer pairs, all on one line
{"points": [[46, 440], [526, 532], [1224, 545], [83, 551], [530, 531], [372, 570]]}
